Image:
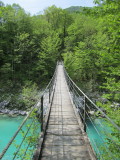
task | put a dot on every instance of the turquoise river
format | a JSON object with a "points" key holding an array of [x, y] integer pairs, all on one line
{"points": [[9, 125]]}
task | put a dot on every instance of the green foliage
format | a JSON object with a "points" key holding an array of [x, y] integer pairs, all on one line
{"points": [[28, 45], [76, 9], [79, 43], [88, 41], [32, 126], [92, 58], [29, 94]]}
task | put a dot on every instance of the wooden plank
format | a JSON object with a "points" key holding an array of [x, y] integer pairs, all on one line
{"points": [[65, 138]]}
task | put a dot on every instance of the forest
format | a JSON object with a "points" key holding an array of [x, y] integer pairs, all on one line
{"points": [[86, 39]]}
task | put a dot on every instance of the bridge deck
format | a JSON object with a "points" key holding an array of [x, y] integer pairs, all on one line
{"points": [[64, 139]]}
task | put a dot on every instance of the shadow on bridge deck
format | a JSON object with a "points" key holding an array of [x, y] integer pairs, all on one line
{"points": [[65, 138]]}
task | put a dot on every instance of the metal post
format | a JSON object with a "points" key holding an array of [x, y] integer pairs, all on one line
{"points": [[69, 83], [53, 83], [49, 94], [73, 91], [84, 116], [41, 113]]}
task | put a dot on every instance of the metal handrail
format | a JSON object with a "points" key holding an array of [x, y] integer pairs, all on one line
{"points": [[115, 125], [36, 106], [83, 105]]}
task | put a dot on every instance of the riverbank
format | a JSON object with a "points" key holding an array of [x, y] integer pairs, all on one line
{"points": [[10, 112]]}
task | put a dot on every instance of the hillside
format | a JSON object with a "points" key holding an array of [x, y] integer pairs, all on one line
{"points": [[76, 9]]}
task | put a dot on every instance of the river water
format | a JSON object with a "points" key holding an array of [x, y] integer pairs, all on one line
{"points": [[8, 127], [96, 134]]}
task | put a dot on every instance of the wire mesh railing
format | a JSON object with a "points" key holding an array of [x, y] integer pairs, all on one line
{"points": [[102, 131], [23, 143]]}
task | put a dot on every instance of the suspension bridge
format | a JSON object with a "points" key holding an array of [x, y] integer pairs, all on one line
{"points": [[63, 112]]}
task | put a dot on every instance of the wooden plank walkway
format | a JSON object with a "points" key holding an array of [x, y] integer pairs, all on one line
{"points": [[65, 138]]}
